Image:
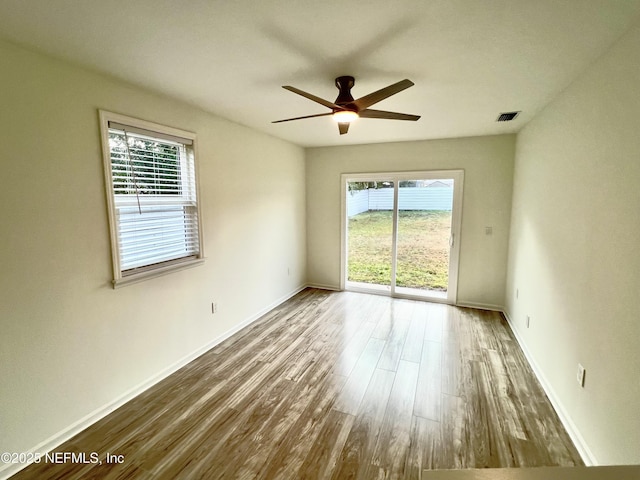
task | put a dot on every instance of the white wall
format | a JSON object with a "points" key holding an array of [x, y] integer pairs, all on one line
{"points": [[488, 166], [575, 251], [69, 343]]}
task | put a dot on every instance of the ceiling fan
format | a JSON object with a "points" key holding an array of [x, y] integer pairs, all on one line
{"points": [[345, 109]]}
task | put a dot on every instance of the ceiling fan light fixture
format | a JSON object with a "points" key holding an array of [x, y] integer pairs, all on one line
{"points": [[345, 109], [345, 116]]}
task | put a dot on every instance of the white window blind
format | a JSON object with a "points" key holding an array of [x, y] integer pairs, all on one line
{"points": [[155, 209]]}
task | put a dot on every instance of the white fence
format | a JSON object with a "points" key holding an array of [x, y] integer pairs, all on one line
{"points": [[409, 198]]}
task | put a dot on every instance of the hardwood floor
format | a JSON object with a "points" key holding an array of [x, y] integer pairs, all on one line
{"points": [[336, 385]]}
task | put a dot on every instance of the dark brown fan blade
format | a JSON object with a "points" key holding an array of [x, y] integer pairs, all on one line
{"points": [[300, 118], [343, 127], [368, 113], [375, 97], [319, 100]]}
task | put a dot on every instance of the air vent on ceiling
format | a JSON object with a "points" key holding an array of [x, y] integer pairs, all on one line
{"points": [[507, 116]]}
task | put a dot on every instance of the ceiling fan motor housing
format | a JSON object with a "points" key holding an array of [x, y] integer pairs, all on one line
{"points": [[345, 84]]}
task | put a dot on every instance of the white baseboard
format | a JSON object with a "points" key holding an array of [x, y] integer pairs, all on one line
{"points": [[324, 287], [481, 306], [585, 452], [7, 470]]}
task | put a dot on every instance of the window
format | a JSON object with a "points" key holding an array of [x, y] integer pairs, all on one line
{"points": [[150, 176]]}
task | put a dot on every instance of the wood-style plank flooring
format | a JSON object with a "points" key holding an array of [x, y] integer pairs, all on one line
{"points": [[336, 385]]}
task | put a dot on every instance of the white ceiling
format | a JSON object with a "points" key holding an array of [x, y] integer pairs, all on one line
{"points": [[469, 59]]}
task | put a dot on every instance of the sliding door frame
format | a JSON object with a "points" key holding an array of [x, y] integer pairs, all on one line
{"points": [[396, 178]]}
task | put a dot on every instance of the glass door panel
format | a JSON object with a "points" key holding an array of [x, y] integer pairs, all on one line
{"points": [[370, 206], [424, 233]]}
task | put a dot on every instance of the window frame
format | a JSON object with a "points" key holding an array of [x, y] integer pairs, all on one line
{"points": [[158, 269]]}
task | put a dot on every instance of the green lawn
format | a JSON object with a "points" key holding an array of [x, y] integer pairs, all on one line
{"points": [[423, 248]]}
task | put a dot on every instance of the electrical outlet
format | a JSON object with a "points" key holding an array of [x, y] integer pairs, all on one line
{"points": [[581, 375], [517, 292], [488, 230], [528, 320], [214, 307], [288, 271]]}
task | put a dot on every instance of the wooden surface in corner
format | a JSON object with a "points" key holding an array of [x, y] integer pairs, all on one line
{"points": [[336, 385]]}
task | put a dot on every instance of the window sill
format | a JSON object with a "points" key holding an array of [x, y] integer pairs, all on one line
{"points": [[156, 272]]}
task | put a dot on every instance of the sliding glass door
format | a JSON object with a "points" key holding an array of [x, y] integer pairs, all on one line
{"points": [[400, 233]]}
